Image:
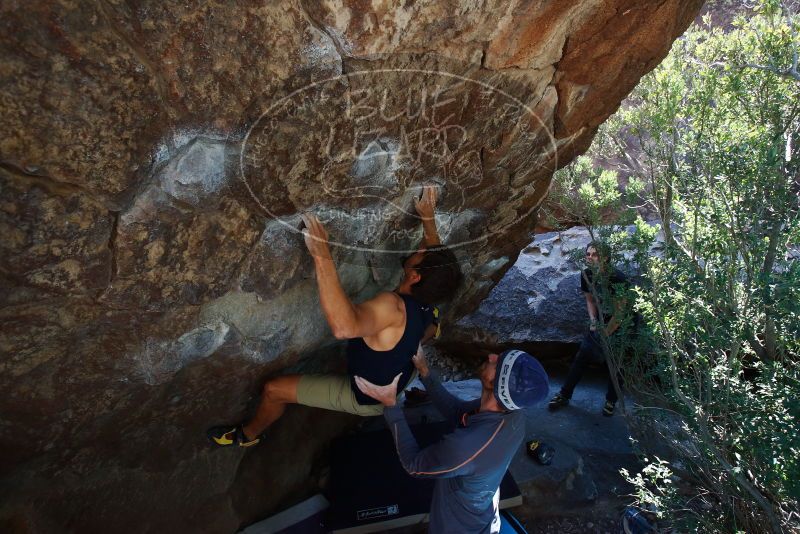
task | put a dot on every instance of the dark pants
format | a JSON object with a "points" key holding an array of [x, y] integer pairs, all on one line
{"points": [[590, 351]]}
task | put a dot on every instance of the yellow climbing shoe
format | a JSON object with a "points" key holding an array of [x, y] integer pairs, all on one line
{"points": [[225, 436]]}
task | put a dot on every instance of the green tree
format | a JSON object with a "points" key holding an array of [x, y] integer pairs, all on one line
{"points": [[709, 141]]}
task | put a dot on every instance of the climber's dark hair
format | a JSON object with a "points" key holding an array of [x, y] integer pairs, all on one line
{"points": [[440, 276]]}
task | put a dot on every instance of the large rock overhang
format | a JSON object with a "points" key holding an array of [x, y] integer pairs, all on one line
{"points": [[154, 159]]}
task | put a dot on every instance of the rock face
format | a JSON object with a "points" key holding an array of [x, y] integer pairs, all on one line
{"points": [[154, 159], [538, 303]]}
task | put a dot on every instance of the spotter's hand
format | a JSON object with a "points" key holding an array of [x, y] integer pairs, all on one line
{"points": [[386, 395], [316, 237], [426, 204], [420, 362]]}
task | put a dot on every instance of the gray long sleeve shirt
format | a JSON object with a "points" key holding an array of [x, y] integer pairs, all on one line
{"points": [[468, 462]]}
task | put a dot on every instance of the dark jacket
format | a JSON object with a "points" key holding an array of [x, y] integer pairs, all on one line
{"points": [[468, 462], [615, 285]]}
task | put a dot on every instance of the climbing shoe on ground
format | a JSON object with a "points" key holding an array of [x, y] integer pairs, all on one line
{"points": [[226, 436], [541, 452], [608, 408], [637, 521], [559, 401]]}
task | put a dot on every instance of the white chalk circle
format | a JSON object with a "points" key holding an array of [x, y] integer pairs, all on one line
{"points": [[389, 146]]}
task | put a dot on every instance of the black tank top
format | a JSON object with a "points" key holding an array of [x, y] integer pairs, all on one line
{"points": [[381, 366]]}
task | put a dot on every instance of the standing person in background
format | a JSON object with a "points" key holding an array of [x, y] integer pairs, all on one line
{"points": [[470, 461], [609, 283]]}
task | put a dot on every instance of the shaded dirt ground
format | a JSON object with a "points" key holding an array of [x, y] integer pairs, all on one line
{"points": [[602, 443], [569, 525]]}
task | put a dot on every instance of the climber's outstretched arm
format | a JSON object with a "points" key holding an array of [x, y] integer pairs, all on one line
{"points": [[347, 320]]}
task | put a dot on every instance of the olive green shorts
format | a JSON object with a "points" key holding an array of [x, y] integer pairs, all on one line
{"points": [[333, 392]]}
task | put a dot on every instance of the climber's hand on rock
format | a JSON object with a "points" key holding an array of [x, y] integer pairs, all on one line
{"points": [[386, 395], [420, 362], [426, 204], [316, 237]]}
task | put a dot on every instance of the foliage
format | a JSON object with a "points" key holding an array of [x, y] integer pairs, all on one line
{"points": [[584, 194], [710, 144]]}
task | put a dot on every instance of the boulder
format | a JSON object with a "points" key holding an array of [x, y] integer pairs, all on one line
{"points": [[537, 301]]}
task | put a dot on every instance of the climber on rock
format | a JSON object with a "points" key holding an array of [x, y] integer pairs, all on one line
{"points": [[484, 435], [604, 300], [383, 333]]}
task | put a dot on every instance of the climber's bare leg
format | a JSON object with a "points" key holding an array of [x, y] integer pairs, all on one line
{"points": [[277, 393]]}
